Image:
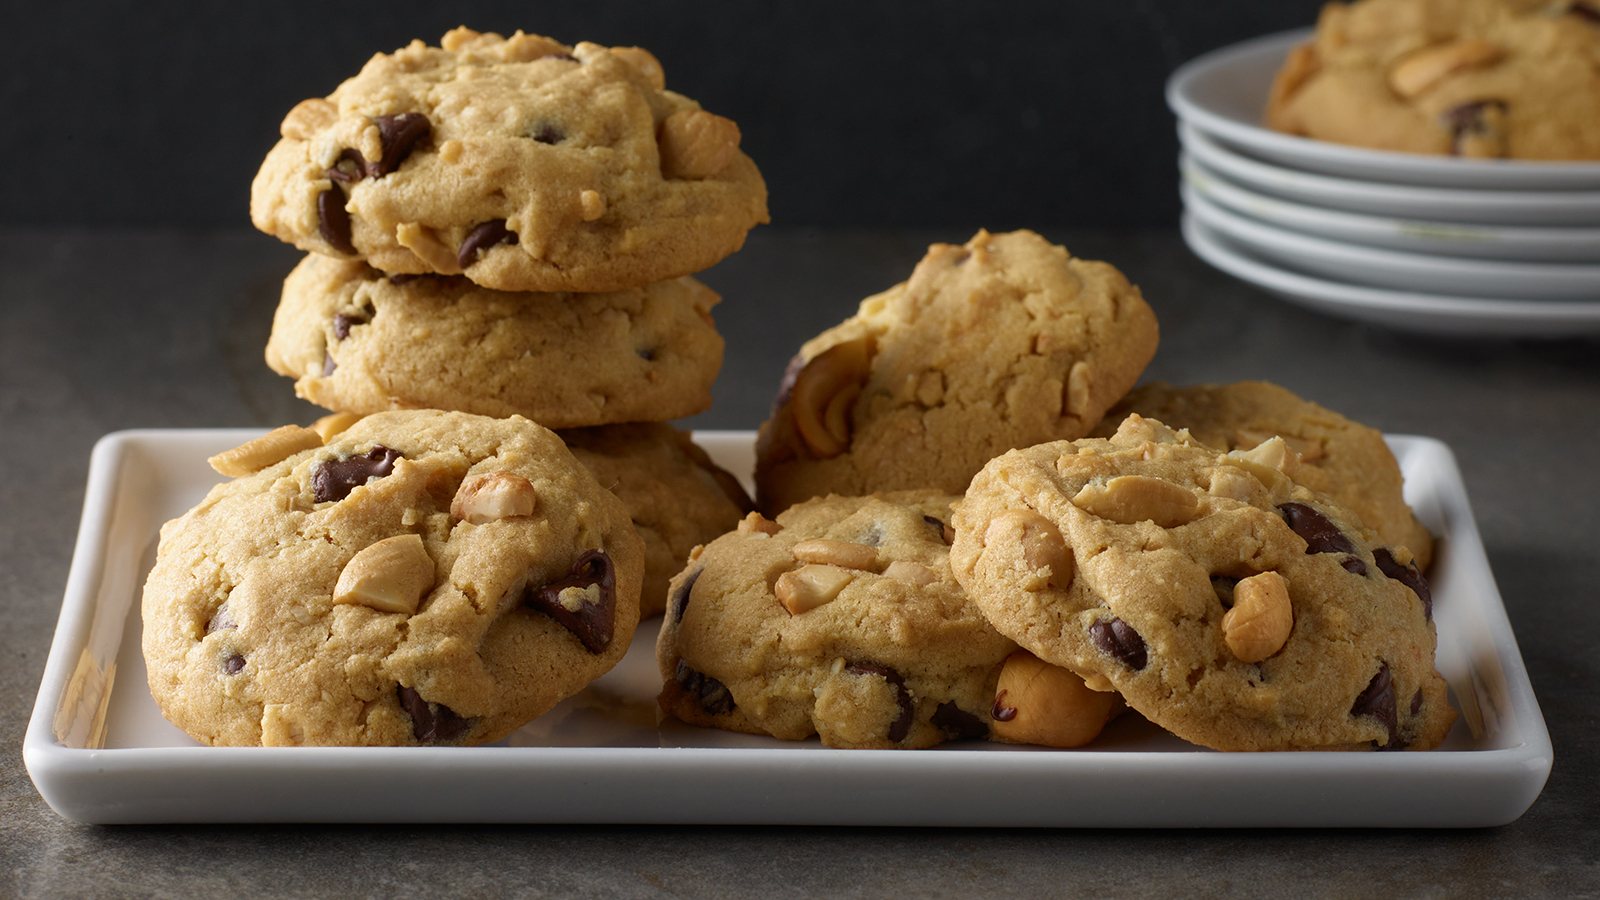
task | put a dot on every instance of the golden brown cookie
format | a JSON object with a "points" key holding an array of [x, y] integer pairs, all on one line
{"points": [[1472, 78], [521, 162], [423, 578], [1337, 456], [1224, 602], [1004, 342], [358, 341]]}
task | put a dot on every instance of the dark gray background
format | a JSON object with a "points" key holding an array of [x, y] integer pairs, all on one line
{"points": [[1033, 113]]}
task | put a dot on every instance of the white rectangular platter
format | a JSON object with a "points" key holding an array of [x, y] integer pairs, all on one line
{"points": [[99, 751]]}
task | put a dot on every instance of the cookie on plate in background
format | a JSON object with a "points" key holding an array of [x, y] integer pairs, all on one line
{"points": [[1224, 602], [678, 497], [839, 619], [1004, 342], [1471, 78], [1336, 456], [423, 578], [521, 162], [358, 341]]}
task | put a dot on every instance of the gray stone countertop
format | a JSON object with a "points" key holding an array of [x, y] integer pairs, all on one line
{"points": [[107, 330]]}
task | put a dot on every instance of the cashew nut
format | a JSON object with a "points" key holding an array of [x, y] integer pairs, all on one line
{"points": [[392, 575], [810, 586], [1037, 542], [1128, 499], [1037, 703], [696, 144], [493, 495], [824, 392], [1261, 618], [836, 553], [275, 446], [1427, 67]]}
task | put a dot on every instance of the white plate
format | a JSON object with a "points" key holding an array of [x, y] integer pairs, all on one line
{"points": [[1408, 311], [1542, 208], [98, 750], [1224, 93], [1354, 263], [1508, 242]]}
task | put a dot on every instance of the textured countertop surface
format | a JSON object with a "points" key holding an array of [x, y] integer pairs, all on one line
{"points": [[108, 330]]}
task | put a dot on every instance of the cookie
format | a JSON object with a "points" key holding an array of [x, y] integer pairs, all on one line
{"points": [[1004, 342], [523, 163], [1341, 458], [839, 619], [357, 341], [1224, 602], [678, 497], [1472, 78], [423, 578]]}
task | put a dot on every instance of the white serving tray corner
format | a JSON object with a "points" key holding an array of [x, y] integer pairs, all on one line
{"points": [[99, 751]]}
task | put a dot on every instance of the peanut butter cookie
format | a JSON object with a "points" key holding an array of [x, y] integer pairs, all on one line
{"points": [[1223, 601], [422, 578], [520, 162]]}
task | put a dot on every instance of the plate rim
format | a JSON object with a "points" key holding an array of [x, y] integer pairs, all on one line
{"points": [[75, 782], [1325, 156]]}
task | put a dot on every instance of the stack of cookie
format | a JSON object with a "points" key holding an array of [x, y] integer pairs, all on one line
{"points": [[501, 236], [509, 226], [978, 531]]}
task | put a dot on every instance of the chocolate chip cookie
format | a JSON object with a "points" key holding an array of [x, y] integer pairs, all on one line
{"points": [[1471, 78], [1224, 602], [839, 619], [1004, 342], [422, 578], [1335, 456], [356, 340], [678, 497], [521, 162]]}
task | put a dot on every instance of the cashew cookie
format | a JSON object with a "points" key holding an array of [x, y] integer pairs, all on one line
{"points": [[422, 578], [523, 163], [1005, 342], [1223, 601]]}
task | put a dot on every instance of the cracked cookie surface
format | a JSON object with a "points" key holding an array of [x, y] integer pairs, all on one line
{"points": [[841, 619], [521, 162], [422, 578], [1340, 457], [1224, 602], [1473, 78], [1004, 342], [358, 341]]}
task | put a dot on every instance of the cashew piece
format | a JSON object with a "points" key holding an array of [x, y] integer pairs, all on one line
{"points": [[389, 576], [810, 586], [696, 144], [275, 446], [489, 496], [1427, 67], [1261, 618], [824, 392], [1039, 544], [755, 523], [844, 554], [1128, 499], [1037, 703]]}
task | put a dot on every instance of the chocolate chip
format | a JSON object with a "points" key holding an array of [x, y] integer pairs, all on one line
{"points": [[328, 365], [1353, 565], [350, 167], [957, 722], [945, 533], [1589, 12], [399, 278], [1476, 122], [334, 479], [712, 695], [1377, 702], [547, 133], [680, 595], [648, 354], [482, 237], [1320, 534], [221, 620], [1118, 638], [1406, 575], [430, 722], [1416, 703], [233, 665], [341, 325], [398, 136], [1000, 712], [333, 221], [562, 56], [585, 602], [901, 726]]}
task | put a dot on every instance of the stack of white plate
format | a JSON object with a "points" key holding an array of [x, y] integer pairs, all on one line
{"points": [[1424, 243]]}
